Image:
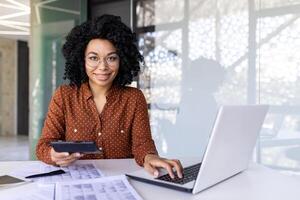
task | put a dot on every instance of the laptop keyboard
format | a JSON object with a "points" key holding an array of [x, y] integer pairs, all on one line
{"points": [[189, 174]]}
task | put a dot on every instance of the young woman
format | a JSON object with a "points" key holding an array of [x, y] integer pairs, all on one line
{"points": [[101, 59]]}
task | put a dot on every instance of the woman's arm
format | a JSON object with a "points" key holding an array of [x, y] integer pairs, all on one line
{"points": [[142, 143], [144, 149]]}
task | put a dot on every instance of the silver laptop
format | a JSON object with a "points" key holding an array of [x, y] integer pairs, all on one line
{"points": [[228, 152]]}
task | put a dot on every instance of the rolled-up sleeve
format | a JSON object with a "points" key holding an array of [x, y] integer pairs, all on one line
{"points": [[142, 142], [54, 127]]}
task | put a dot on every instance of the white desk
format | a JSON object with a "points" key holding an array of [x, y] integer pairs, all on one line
{"points": [[256, 183]]}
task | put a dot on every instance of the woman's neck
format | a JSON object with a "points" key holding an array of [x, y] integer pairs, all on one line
{"points": [[99, 91]]}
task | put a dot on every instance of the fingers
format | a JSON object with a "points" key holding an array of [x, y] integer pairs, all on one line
{"points": [[169, 168], [69, 159], [58, 155], [63, 158], [154, 162], [159, 162], [152, 170], [66, 162], [178, 167]]}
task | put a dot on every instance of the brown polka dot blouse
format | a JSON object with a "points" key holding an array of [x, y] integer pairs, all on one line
{"points": [[122, 129]]}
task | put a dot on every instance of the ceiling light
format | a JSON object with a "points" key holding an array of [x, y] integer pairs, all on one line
{"points": [[15, 23], [20, 5], [13, 33]]}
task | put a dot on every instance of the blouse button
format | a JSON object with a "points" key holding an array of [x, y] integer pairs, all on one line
{"points": [[99, 134], [122, 131]]}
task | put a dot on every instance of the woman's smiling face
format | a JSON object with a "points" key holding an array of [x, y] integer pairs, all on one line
{"points": [[101, 62]]}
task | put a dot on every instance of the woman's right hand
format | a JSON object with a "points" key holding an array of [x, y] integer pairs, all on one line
{"points": [[64, 159]]}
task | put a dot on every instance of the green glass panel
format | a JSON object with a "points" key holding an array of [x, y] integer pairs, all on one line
{"points": [[51, 20]]}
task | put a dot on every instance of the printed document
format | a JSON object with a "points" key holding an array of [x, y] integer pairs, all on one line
{"points": [[106, 188], [76, 171]]}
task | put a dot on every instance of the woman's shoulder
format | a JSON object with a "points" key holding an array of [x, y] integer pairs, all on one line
{"points": [[132, 93]]}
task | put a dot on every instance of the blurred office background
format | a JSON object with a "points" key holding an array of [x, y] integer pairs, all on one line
{"points": [[199, 55]]}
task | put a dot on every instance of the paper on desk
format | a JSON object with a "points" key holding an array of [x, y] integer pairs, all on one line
{"points": [[106, 188], [27, 169], [76, 171], [40, 193]]}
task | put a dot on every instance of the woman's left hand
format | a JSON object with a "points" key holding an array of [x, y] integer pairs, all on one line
{"points": [[153, 162]]}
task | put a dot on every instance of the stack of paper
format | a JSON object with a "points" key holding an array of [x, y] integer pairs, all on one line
{"points": [[82, 181]]}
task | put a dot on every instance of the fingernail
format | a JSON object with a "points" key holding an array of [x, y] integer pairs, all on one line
{"points": [[77, 154], [156, 173]]}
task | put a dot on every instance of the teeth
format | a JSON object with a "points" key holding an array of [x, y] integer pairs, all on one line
{"points": [[102, 76]]}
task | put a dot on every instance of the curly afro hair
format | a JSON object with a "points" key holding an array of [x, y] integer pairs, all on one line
{"points": [[107, 27]]}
